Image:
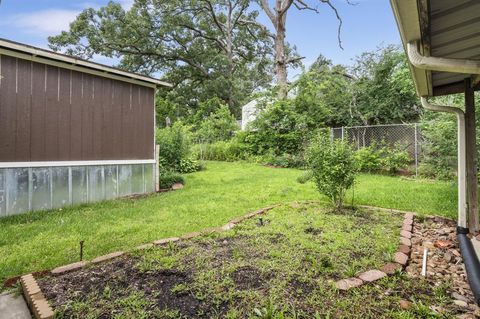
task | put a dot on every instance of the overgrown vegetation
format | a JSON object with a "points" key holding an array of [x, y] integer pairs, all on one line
{"points": [[44, 240], [282, 267]]}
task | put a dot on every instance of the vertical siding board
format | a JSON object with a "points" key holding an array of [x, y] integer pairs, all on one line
{"points": [[87, 118], [126, 120], [64, 109], [8, 109], [116, 109], [22, 139], [76, 117], [108, 148], [150, 130], [97, 113], [51, 114], [137, 122], [37, 131]]}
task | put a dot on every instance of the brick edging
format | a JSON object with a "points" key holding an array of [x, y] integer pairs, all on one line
{"points": [[36, 301], [401, 257], [39, 305]]}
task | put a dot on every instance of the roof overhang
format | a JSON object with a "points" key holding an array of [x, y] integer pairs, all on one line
{"points": [[443, 29], [35, 54]]}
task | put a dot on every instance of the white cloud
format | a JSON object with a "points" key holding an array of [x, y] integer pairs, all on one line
{"points": [[49, 21]]}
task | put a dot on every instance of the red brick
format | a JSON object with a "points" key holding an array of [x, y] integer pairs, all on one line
{"points": [[67, 268], [107, 257], [145, 246], [404, 249], [348, 283], [406, 234], [408, 222], [177, 186], [372, 275], [401, 258], [190, 235], [409, 215], [406, 241], [407, 227], [227, 226], [391, 268], [166, 241]]}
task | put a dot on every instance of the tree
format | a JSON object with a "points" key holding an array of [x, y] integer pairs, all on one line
{"points": [[323, 95], [383, 91], [206, 48], [278, 17]]}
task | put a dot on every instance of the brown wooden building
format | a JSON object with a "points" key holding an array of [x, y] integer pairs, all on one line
{"points": [[71, 131]]}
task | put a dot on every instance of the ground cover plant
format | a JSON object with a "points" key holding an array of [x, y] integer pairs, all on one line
{"points": [[44, 240], [281, 265]]}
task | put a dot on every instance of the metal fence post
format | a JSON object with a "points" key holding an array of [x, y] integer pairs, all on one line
{"points": [[342, 132], [416, 150]]}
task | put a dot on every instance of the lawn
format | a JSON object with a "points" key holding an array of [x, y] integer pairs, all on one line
{"points": [[284, 266], [38, 241]]}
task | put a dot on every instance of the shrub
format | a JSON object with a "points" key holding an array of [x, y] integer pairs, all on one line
{"points": [[374, 159], [217, 126], [189, 165], [174, 143], [285, 160], [168, 178], [333, 167], [395, 160], [305, 177], [368, 159]]}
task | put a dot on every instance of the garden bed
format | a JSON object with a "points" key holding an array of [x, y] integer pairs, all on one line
{"points": [[284, 263]]}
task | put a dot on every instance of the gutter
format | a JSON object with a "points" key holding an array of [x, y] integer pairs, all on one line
{"points": [[471, 67]]}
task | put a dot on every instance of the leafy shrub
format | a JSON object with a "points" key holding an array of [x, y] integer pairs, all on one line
{"points": [[305, 177], [217, 126], [175, 149], [168, 178], [189, 165], [374, 159], [395, 160], [279, 129], [174, 143], [333, 167], [368, 159], [227, 151], [285, 160]]}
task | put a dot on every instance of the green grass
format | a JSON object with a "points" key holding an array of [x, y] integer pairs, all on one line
{"points": [[43, 240], [282, 267]]}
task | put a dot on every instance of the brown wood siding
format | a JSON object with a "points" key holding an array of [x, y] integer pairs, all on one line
{"points": [[49, 113]]}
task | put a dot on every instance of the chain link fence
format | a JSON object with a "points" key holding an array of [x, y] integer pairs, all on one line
{"points": [[400, 136]]}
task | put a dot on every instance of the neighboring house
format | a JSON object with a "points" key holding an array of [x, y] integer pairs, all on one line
{"points": [[249, 113], [71, 131]]}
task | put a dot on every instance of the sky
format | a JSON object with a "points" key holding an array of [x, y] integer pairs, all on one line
{"points": [[366, 25]]}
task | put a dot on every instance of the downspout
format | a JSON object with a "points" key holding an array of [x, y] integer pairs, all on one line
{"points": [[471, 67], [461, 156]]}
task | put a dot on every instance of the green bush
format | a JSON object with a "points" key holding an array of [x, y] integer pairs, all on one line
{"points": [[333, 167], [305, 177], [189, 165], [168, 178], [217, 126], [375, 159], [394, 160], [174, 143], [175, 149], [285, 160], [368, 159]]}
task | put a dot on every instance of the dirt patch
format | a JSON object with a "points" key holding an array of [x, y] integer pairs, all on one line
{"points": [[246, 278], [120, 278], [313, 231]]}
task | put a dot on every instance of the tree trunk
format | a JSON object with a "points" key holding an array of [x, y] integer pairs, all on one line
{"points": [[280, 60]]}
